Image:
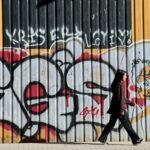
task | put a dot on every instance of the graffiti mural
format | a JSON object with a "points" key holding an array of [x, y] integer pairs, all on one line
{"points": [[58, 59], [50, 98]]}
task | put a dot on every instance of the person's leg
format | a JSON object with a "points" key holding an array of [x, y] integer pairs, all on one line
{"points": [[127, 125], [108, 128]]}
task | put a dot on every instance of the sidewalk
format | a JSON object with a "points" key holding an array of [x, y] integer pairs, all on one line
{"points": [[83, 146]]}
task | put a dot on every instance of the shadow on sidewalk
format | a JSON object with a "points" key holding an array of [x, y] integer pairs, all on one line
{"points": [[96, 143]]}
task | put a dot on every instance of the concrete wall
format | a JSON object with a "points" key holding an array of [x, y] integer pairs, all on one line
{"points": [[58, 59]]}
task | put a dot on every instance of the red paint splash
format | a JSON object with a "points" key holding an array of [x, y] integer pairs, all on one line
{"points": [[67, 93], [134, 88], [138, 101], [9, 127], [35, 90], [86, 55], [38, 108], [12, 55], [94, 111], [47, 133], [100, 100]]}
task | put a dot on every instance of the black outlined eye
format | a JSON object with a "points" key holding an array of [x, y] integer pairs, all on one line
{"points": [[91, 85]]}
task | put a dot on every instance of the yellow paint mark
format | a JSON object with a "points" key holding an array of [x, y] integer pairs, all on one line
{"points": [[48, 52], [96, 51], [146, 19], [140, 20], [98, 131], [145, 92], [6, 136], [104, 51], [144, 74], [141, 115], [49, 135], [143, 78], [1, 25]]}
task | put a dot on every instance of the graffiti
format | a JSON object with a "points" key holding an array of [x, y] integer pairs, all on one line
{"points": [[34, 38], [90, 111], [64, 33], [37, 37], [52, 101], [137, 61], [39, 93], [99, 38], [57, 66], [143, 77], [13, 55]]}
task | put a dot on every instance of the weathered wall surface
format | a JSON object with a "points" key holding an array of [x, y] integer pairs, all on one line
{"points": [[58, 59]]}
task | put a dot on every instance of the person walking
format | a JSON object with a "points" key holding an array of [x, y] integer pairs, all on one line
{"points": [[117, 110]]}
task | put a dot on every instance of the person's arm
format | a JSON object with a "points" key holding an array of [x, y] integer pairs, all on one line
{"points": [[129, 102]]}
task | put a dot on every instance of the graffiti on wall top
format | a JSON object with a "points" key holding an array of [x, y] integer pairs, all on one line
{"points": [[37, 38], [93, 22]]}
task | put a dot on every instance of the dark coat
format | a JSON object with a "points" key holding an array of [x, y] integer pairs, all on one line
{"points": [[119, 102]]}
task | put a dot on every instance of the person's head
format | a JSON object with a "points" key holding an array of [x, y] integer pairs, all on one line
{"points": [[120, 75]]}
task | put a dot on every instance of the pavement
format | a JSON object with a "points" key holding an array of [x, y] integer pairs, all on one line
{"points": [[77, 146]]}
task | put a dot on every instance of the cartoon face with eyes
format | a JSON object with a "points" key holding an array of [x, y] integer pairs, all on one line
{"points": [[92, 85], [41, 94], [88, 78]]}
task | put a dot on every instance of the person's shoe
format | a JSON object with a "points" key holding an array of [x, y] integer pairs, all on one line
{"points": [[102, 140], [138, 141]]}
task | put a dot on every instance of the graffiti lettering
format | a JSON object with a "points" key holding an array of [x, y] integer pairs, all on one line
{"points": [[137, 61], [90, 111], [100, 38], [64, 33], [34, 38], [37, 37]]}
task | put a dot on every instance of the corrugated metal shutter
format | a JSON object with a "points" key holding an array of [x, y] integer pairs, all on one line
{"points": [[58, 59]]}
